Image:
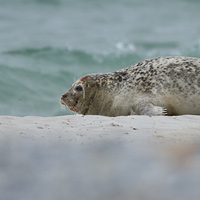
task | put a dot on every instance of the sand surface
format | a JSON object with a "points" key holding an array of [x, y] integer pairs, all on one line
{"points": [[96, 157], [91, 129]]}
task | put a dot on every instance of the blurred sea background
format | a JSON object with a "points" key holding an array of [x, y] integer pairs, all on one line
{"points": [[45, 45]]}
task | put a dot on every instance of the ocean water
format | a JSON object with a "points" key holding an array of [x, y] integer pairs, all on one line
{"points": [[45, 45]]}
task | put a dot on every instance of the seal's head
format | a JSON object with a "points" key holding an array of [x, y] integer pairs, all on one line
{"points": [[93, 95], [81, 96]]}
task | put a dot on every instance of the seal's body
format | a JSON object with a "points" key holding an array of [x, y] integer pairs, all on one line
{"points": [[159, 86]]}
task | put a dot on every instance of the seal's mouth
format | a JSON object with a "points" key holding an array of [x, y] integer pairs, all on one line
{"points": [[64, 103], [73, 110]]}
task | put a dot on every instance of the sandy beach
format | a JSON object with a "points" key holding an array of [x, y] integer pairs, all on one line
{"points": [[91, 129], [96, 157]]}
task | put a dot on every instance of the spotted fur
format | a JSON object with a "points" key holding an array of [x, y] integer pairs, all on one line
{"points": [[159, 86]]}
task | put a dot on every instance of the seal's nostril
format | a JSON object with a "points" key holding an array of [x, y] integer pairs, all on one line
{"points": [[63, 96]]}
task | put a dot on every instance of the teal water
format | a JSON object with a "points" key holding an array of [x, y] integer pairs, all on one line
{"points": [[45, 45]]}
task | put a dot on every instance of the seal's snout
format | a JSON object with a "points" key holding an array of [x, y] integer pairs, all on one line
{"points": [[62, 99]]}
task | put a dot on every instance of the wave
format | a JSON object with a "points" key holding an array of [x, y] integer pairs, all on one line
{"points": [[83, 60]]}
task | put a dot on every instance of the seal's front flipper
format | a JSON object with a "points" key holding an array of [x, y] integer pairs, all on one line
{"points": [[157, 110], [146, 108]]}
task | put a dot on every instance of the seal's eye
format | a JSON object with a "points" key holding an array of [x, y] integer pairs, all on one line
{"points": [[79, 88]]}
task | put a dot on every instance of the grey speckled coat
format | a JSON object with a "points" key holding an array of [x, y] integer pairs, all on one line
{"points": [[159, 86]]}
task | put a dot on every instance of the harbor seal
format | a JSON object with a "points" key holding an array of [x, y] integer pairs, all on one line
{"points": [[158, 86]]}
